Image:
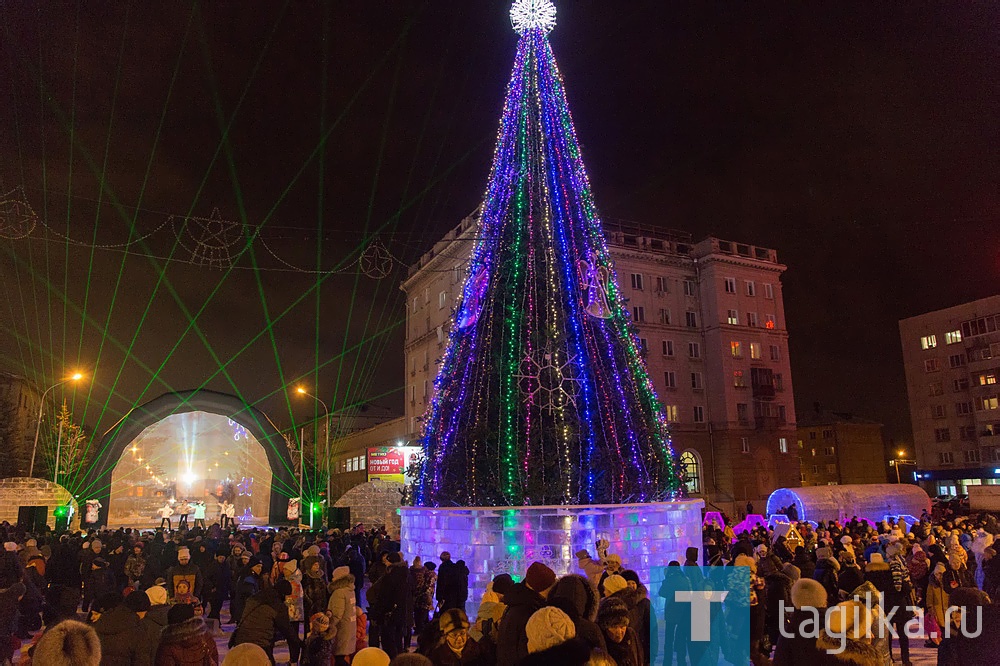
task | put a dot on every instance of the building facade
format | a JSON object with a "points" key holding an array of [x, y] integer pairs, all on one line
{"points": [[19, 399], [838, 448], [711, 320], [952, 363]]}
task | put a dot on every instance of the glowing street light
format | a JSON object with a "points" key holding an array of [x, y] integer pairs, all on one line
{"points": [[901, 460], [301, 391], [75, 377]]}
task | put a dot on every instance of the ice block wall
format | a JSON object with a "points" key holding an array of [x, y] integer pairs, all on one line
{"points": [[495, 540]]}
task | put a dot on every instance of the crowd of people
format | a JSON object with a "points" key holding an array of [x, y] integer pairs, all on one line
{"points": [[850, 591], [818, 594]]}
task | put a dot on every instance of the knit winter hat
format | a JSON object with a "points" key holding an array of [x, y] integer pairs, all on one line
{"points": [[69, 643], [807, 592], [106, 602], [246, 654], [502, 583], [614, 558], [453, 619], [138, 601], [370, 656], [180, 613], [183, 551], [340, 572], [283, 587], [876, 558], [614, 583], [539, 577], [612, 612], [548, 627], [792, 571], [582, 553], [157, 595], [319, 620]]}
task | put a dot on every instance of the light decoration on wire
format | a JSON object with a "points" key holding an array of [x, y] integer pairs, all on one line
{"points": [[540, 281], [533, 14]]}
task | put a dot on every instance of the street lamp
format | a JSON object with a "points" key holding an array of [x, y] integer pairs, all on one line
{"points": [[38, 427], [326, 410], [896, 462]]}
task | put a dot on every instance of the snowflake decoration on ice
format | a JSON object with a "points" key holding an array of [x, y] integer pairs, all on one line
{"points": [[528, 14], [551, 381], [243, 487], [17, 217], [375, 261], [239, 432], [209, 239]]}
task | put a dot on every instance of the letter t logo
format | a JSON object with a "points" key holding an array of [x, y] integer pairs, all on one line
{"points": [[701, 611]]}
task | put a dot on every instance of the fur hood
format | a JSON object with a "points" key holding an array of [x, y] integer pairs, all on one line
{"points": [[341, 581], [579, 591], [631, 597], [67, 644], [856, 653], [188, 631], [876, 566]]}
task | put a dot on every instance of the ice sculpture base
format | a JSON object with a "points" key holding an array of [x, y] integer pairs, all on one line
{"points": [[495, 540]]}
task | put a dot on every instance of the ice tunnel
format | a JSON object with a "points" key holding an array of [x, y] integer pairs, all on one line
{"points": [[872, 501]]}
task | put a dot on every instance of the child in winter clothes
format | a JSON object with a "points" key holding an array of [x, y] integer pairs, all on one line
{"points": [[318, 650]]}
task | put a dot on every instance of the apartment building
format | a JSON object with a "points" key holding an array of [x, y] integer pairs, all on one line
{"points": [[839, 448], [952, 363], [711, 321], [19, 399]]}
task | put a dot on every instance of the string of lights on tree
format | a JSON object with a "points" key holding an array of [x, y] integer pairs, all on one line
{"points": [[543, 396]]}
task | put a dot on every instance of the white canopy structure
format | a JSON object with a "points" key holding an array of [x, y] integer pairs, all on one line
{"points": [[872, 502]]}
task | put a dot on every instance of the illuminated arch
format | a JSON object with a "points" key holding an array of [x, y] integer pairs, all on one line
{"points": [[96, 483], [691, 465]]}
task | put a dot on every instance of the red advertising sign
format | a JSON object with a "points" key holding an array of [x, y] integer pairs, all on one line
{"points": [[389, 462]]}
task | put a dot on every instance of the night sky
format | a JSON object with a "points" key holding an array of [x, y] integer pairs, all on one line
{"points": [[860, 140]]}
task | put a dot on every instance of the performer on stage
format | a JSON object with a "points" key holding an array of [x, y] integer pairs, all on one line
{"points": [[199, 514], [231, 514], [183, 510], [165, 512]]}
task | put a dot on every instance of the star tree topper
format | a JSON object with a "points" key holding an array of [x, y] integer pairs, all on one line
{"points": [[530, 14]]}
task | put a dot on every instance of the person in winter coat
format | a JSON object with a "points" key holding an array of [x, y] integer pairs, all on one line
{"points": [[318, 648], [184, 570], [264, 615], [678, 623], [343, 615], [186, 640], [423, 598], [957, 575], [455, 647], [846, 637], [919, 565], [218, 578], [850, 576], [577, 597], [314, 593], [827, 573], [591, 568], [135, 565], [118, 628], [522, 601], [991, 574], [640, 611], [899, 597], [872, 599], [936, 605], [804, 561], [777, 595], [552, 640], [68, 643], [388, 600], [291, 573], [797, 645], [621, 639], [354, 561], [155, 619], [249, 585]]}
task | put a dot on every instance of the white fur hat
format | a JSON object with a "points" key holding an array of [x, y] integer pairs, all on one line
{"points": [[548, 627]]}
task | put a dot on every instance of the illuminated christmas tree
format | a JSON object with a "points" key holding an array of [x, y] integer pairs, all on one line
{"points": [[543, 395]]}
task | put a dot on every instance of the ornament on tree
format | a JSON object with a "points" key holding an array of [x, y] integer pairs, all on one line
{"points": [[17, 217], [595, 286], [533, 14], [550, 381]]}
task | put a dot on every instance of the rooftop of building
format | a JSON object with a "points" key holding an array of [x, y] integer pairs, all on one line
{"points": [[817, 416], [981, 306], [626, 234]]}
